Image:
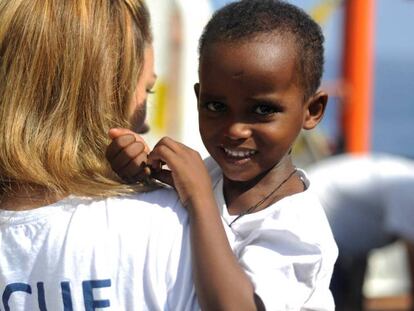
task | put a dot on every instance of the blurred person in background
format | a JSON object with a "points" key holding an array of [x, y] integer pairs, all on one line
{"points": [[369, 202]]}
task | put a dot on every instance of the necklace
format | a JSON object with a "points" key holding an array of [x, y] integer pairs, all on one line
{"points": [[252, 208]]}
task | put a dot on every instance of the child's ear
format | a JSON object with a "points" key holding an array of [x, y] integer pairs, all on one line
{"points": [[315, 108], [197, 90]]}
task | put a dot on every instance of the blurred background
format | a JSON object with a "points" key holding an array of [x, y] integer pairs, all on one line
{"points": [[369, 75]]}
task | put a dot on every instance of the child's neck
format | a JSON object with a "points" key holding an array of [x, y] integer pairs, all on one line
{"points": [[240, 196]]}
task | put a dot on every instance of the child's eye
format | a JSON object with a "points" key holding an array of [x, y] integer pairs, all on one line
{"points": [[265, 109], [215, 106], [150, 91]]}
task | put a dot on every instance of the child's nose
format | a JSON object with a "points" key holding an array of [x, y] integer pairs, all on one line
{"points": [[238, 130]]}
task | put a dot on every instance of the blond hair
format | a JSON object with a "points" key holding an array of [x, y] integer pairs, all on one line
{"points": [[68, 70]]}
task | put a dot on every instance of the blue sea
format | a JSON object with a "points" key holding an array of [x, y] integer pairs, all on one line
{"points": [[393, 126], [393, 108]]}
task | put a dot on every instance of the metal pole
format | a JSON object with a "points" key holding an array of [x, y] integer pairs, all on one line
{"points": [[358, 74]]}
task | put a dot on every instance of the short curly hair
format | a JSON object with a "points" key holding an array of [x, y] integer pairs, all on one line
{"points": [[246, 19]]}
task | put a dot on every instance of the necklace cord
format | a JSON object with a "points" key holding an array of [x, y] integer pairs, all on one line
{"points": [[254, 207]]}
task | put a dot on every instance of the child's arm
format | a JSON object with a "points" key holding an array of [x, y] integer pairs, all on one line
{"points": [[221, 283]]}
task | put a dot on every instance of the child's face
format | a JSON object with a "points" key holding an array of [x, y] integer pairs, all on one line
{"points": [[251, 105]]}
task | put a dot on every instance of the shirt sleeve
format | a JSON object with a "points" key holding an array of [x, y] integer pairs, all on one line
{"points": [[159, 234], [179, 278], [289, 257], [287, 273]]}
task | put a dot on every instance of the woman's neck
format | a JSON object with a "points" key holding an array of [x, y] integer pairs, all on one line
{"points": [[18, 197]]}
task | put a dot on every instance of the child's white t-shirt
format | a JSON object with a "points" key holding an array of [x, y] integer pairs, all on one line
{"points": [[124, 253], [287, 249]]}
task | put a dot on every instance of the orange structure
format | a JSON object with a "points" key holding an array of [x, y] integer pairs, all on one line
{"points": [[358, 74]]}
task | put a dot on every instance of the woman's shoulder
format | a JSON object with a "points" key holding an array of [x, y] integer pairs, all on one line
{"points": [[163, 202], [152, 218], [162, 197], [160, 207]]}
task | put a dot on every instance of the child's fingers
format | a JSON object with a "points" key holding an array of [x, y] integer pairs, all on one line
{"points": [[174, 154], [186, 168], [172, 144], [166, 146], [134, 171], [160, 155], [117, 145], [116, 133], [155, 158], [133, 154]]}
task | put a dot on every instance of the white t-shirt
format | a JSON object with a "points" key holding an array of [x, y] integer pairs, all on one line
{"points": [[133, 253], [287, 249], [368, 199], [123, 253]]}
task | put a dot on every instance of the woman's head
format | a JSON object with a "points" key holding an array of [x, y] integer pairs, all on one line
{"points": [[69, 70]]}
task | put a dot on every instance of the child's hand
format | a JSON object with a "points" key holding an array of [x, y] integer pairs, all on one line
{"points": [[127, 154], [187, 172]]}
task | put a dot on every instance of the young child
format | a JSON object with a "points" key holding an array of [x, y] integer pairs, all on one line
{"points": [[268, 244]]}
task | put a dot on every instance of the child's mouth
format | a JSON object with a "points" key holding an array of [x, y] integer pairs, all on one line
{"points": [[238, 156]]}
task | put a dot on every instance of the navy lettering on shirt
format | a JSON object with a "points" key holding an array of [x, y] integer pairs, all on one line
{"points": [[41, 296], [66, 296], [10, 289], [88, 286], [90, 303]]}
